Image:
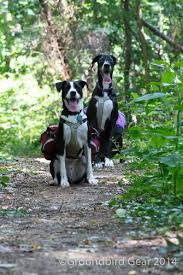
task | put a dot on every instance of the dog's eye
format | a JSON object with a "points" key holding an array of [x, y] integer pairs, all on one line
{"points": [[101, 61]]}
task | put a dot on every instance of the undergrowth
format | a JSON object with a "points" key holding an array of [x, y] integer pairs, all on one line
{"points": [[154, 154]]}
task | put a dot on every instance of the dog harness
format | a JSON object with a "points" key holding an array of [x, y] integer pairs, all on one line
{"points": [[72, 147]]}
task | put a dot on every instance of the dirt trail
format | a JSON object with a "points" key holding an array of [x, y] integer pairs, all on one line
{"points": [[69, 231]]}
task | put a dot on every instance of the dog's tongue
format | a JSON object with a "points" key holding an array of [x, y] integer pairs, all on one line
{"points": [[73, 105], [107, 78]]}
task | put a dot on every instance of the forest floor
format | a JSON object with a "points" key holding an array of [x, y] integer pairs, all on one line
{"points": [[49, 230]]}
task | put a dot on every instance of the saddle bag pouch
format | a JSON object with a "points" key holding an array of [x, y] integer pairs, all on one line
{"points": [[48, 144], [95, 143]]}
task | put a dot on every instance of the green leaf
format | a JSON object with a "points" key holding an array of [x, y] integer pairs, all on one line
{"points": [[135, 132], [179, 179], [150, 97], [121, 213], [178, 64], [4, 180], [168, 77], [174, 160]]}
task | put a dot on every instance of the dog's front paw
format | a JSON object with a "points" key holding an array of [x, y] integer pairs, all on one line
{"points": [[64, 183], [98, 165], [92, 181], [108, 162]]}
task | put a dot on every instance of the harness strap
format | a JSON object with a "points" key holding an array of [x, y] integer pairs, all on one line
{"points": [[77, 156], [43, 145], [73, 124]]}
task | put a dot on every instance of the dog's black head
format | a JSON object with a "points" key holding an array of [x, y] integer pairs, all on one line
{"points": [[105, 67], [72, 94]]}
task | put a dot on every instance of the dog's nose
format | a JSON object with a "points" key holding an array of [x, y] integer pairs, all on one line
{"points": [[73, 93], [106, 66]]}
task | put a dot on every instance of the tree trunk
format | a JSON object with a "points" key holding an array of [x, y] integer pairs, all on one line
{"points": [[128, 48], [143, 43], [95, 12], [54, 50]]}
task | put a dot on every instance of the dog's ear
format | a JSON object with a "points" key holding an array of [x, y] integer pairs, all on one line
{"points": [[114, 59], [96, 59], [60, 85], [82, 83]]}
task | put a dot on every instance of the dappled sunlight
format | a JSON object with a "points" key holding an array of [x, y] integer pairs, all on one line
{"points": [[156, 242], [42, 160]]}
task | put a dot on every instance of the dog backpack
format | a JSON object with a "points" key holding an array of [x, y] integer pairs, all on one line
{"points": [[48, 144]]}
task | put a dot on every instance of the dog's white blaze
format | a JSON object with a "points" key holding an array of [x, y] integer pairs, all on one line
{"points": [[72, 89]]}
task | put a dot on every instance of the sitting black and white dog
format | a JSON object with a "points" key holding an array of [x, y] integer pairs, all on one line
{"points": [[102, 111], [73, 160]]}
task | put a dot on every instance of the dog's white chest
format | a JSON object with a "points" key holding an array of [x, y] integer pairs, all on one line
{"points": [[104, 108]]}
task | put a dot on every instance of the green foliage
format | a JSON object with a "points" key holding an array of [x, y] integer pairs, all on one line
{"points": [[28, 102], [4, 180], [156, 155], [13, 213], [148, 97], [26, 111], [4, 176], [24, 104], [156, 214]]}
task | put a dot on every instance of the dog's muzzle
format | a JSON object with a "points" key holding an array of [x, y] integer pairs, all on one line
{"points": [[72, 103], [107, 69]]}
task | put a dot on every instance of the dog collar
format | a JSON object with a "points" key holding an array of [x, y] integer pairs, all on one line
{"points": [[67, 112], [101, 90], [80, 119]]}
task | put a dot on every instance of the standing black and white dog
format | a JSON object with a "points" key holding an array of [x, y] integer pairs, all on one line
{"points": [[73, 160], [102, 110]]}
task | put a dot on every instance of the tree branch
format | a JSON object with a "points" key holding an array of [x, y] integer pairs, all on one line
{"points": [[163, 36]]}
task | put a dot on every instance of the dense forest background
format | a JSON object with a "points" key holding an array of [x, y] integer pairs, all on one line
{"points": [[45, 41]]}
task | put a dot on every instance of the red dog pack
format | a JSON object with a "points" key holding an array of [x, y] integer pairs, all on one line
{"points": [[48, 144]]}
